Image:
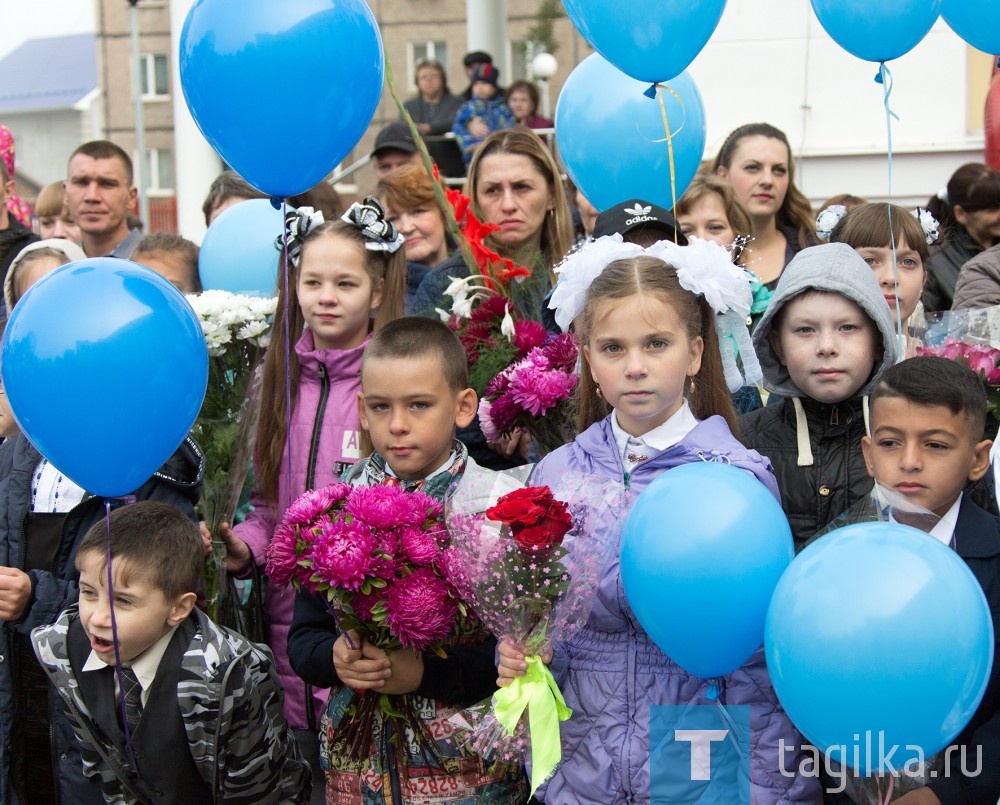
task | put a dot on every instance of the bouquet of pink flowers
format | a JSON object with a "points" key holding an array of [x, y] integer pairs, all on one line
{"points": [[533, 393], [527, 561], [972, 337], [373, 552]]}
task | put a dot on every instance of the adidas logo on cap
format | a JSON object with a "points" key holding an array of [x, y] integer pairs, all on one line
{"points": [[639, 214]]}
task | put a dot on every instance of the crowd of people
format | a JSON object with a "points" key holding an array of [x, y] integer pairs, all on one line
{"points": [[374, 389]]}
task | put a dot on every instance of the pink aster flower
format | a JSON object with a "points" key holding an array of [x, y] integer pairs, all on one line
{"points": [[419, 509], [538, 392], [528, 335], [362, 604], [282, 561], [315, 502], [503, 413], [490, 430], [419, 547], [419, 610], [563, 352], [343, 555], [381, 507], [498, 385]]}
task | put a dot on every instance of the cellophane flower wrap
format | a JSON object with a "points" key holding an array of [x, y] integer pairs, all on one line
{"points": [[527, 561], [237, 330], [971, 337], [534, 393], [374, 554]]}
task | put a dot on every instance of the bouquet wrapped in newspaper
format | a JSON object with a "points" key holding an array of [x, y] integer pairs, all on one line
{"points": [[882, 505], [373, 552], [972, 337], [237, 329], [527, 560]]}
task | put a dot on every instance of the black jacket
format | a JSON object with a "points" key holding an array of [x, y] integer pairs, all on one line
{"points": [[12, 239], [812, 496]]}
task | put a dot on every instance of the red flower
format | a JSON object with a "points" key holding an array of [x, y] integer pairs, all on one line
{"points": [[537, 520]]}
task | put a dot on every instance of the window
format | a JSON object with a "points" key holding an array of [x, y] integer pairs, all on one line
{"points": [[159, 165], [521, 53], [153, 76], [418, 51]]}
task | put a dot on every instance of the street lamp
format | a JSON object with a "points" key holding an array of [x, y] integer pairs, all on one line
{"points": [[543, 67]]}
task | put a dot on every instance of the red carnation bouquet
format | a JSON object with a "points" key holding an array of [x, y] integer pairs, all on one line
{"points": [[527, 561], [374, 553]]}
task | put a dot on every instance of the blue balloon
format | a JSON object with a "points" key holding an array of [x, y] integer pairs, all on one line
{"points": [[105, 367], [282, 90], [877, 31], [879, 632], [975, 21], [238, 253], [651, 42], [612, 139], [702, 550]]}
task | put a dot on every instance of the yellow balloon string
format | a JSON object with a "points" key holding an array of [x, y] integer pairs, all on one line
{"points": [[670, 146]]}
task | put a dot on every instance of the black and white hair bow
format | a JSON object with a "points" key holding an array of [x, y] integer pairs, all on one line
{"points": [[380, 235], [298, 223]]}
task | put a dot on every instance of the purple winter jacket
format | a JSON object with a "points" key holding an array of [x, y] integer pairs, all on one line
{"points": [[611, 672], [322, 441]]}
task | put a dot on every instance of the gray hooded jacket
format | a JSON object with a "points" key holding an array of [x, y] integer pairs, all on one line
{"points": [[816, 447]]}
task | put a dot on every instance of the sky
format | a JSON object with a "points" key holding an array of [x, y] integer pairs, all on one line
{"points": [[41, 18]]}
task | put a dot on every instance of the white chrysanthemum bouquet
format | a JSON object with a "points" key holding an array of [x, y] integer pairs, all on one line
{"points": [[237, 330]]}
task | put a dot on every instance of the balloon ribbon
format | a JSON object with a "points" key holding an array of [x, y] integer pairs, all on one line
{"points": [[884, 77], [657, 90], [536, 690]]}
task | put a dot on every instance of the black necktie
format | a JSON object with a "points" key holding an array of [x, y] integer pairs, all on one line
{"points": [[132, 690]]}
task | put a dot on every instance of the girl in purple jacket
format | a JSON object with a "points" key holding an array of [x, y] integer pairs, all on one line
{"points": [[346, 278], [653, 396]]}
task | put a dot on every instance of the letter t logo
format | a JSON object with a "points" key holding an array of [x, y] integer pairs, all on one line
{"points": [[701, 750]]}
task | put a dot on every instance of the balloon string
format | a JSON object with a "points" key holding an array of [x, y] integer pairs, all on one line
{"points": [[884, 77], [114, 639], [888, 794], [288, 353], [670, 147]]}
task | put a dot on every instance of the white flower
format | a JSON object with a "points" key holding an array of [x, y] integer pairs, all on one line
{"points": [[507, 325], [443, 314], [828, 219], [928, 223], [458, 287], [462, 306], [252, 329]]}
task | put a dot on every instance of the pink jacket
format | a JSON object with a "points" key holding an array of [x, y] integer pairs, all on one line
{"points": [[322, 442]]}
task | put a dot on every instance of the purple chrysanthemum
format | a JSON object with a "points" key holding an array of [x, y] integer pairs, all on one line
{"points": [[305, 508], [419, 610], [282, 561], [381, 507], [419, 547], [537, 392], [362, 604], [503, 413], [343, 555], [419, 508], [563, 352]]}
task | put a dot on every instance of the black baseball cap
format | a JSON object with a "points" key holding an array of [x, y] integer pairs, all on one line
{"points": [[634, 214], [395, 135]]}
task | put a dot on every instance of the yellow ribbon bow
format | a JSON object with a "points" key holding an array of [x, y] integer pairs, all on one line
{"points": [[536, 690]]}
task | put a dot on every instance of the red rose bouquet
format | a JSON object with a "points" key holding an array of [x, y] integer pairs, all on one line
{"points": [[534, 394], [527, 562], [373, 553]]}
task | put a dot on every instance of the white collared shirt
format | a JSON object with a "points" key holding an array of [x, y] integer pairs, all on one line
{"points": [[636, 449], [144, 666], [447, 465], [944, 529]]}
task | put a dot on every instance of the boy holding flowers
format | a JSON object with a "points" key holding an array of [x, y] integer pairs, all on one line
{"points": [[414, 395]]}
